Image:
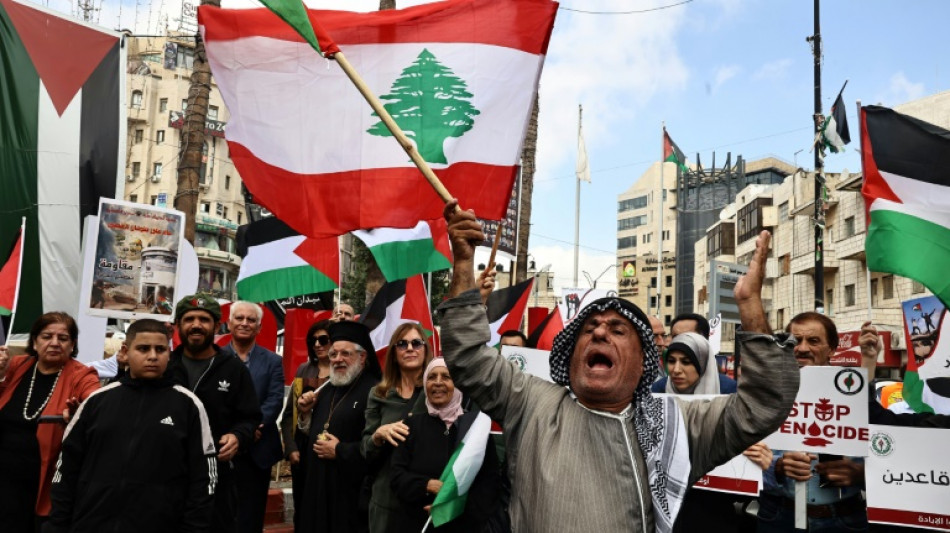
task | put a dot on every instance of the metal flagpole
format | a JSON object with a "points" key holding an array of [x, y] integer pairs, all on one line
{"points": [[577, 199], [19, 274], [659, 216], [819, 166], [866, 269]]}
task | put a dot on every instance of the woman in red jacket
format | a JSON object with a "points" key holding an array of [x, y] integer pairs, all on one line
{"points": [[38, 387]]}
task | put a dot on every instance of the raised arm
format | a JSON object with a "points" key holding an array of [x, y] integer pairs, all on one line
{"points": [[465, 232]]}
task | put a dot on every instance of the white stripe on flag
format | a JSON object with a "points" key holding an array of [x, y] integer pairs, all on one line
{"points": [[381, 335], [472, 455], [379, 236], [940, 218], [271, 256], [918, 192], [58, 198], [276, 91]]}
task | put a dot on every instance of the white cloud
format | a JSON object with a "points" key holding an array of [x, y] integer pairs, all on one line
{"points": [[902, 90], [561, 259], [613, 66], [724, 74], [773, 70]]}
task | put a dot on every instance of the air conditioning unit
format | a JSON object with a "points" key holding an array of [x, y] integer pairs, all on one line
{"points": [[156, 178], [130, 178]]}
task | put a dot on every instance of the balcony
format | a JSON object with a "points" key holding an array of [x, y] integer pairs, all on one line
{"points": [[851, 248], [805, 264]]}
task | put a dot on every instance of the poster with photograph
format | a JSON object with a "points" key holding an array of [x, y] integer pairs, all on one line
{"points": [[927, 380], [135, 269], [574, 300]]}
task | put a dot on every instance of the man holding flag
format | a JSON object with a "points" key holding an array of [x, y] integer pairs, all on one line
{"points": [[595, 451]]}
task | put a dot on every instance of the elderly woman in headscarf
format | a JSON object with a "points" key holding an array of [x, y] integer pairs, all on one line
{"points": [[418, 463]]}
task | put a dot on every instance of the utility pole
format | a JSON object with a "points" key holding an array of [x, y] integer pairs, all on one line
{"points": [[819, 221]]}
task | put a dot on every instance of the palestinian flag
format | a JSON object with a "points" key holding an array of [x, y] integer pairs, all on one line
{"points": [[907, 196], [277, 262], [458, 77], [542, 337], [460, 472], [398, 302], [834, 131], [401, 253], [672, 153], [506, 308], [10, 276], [62, 135]]}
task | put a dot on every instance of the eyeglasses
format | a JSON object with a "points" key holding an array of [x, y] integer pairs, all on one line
{"points": [[322, 340], [404, 344]]}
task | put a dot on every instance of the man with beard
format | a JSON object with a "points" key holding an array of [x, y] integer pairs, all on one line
{"points": [[252, 469], [223, 384], [334, 417]]}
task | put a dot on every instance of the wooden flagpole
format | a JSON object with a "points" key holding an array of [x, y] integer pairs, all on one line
{"points": [[494, 246], [391, 125]]}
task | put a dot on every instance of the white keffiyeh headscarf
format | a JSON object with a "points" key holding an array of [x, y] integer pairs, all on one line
{"points": [[659, 425]]}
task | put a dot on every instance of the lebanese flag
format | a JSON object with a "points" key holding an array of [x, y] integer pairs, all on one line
{"points": [[277, 262], [10, 276], [907, 196], [398, 302], [401, 253], [542, 337], [459, 77], [506, 309], [62, 136]]}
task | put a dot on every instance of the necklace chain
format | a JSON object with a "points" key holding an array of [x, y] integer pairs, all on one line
{"points": [[334, 404], [29, 394]]}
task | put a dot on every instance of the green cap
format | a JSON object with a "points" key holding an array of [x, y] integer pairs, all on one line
{"points": [[198, 302]]}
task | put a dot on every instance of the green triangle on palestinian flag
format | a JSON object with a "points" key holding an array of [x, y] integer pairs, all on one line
{"points": [[401, 253], [277, 262], [672, 153]]}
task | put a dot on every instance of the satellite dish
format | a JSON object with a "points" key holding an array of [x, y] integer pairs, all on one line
{"points": [[727, 212]]}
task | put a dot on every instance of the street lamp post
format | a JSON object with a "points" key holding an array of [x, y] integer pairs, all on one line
{"points": [[593, 283]]}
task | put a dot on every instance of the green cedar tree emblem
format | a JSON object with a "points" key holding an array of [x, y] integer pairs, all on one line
{"points": [[430, 103]]}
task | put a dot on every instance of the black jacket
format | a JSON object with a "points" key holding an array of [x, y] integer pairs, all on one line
{"points": [[137, 456], [227, 392]]}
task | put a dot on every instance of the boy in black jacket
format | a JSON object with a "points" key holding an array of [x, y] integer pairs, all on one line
{"points": [[223, 384], [138, 455]]}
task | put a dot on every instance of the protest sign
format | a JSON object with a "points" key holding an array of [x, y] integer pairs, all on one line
{"points": [[573, 300], [927, 380], [738, 476], [136, 263], [830, 413], [907, 478], [529, 360]]}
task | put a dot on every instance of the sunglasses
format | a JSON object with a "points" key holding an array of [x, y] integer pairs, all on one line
{"points": [[322, 340], [416, 344]]}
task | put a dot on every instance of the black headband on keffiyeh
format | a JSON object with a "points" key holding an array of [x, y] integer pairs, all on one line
{"points": [[658, 424]]}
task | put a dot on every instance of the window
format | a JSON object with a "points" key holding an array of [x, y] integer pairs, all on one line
{"points": [[139, 135], [830, 302], [888, 283], [786, 264], [162, 105], [669, 281], [721, 240], [780, 319], [136, 169], [667, 318], [633, 203], [203, 168], [653, 282], [206, 207], [154, 199], [224, 211], [137, 99], [212, 112], [157, 169], [652, 302], [783, 211], [668, 300], [227, 182], [186, 57], [647, 238], [666, 235], [627, 242], [916, 287], [848, 295], [632, 222], [874, 292], [134, 198], [160, 136], [750, 218], [848, 229], [239, 217], [184, 105]]}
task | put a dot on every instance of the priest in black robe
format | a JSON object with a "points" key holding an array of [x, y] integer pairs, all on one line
{"points": [[335, 469]]}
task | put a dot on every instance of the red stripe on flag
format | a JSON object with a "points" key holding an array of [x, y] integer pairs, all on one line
{"points": [[910, 518], [464, 21], [440, 237], [874, 185], [10, 276], [323, 255], [371, 193], [516, 314]]}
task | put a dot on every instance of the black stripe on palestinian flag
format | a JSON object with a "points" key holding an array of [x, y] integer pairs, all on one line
{"points": [[506, 309], [398, 302], [60, 137], [907, 147], [542, 337]]}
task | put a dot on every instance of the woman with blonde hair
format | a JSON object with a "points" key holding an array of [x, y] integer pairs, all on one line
{"points": [[397, 397]]}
